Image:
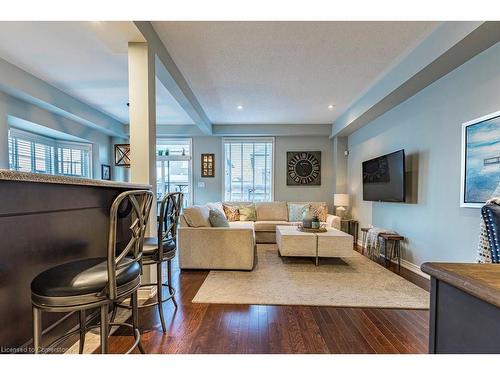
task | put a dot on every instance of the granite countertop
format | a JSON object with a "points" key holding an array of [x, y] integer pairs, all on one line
{"points": [[480, 280], [8, 175]]}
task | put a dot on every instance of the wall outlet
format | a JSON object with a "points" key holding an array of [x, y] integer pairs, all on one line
{"points": [[201, 184]]}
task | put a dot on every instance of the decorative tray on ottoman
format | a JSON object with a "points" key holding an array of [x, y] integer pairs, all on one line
{"points": [[321, 229]]}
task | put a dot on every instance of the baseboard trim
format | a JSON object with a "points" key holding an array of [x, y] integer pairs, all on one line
{"points": [[405, 264]]}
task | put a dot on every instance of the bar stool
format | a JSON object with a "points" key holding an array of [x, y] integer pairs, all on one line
{"points": [[160, 249], [97, 282]]}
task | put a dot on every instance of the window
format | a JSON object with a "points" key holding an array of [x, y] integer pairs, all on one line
{"points": [[73, 159], [173, 167], [248, 169], [29, 152]]}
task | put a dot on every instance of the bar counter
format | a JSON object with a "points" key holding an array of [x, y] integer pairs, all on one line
{"points": [[46, 220], [465, 307]]}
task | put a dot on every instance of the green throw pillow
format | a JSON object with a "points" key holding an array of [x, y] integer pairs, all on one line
{"points": [[247, 212], [217, 219]]}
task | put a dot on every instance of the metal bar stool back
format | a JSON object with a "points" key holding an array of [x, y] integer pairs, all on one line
{"points": [[162, 249], [97, 282]]}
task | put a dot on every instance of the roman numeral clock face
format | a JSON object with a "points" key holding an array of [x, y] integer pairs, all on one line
{"points": [[304, 168]]}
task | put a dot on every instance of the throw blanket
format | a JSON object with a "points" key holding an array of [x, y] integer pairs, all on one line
{"points": [[484, 253], [372, 242]]}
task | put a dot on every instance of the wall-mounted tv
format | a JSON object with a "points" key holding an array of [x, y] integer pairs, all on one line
{"points": [[384, 178]]}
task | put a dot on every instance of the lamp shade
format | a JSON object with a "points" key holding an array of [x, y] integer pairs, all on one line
{"points": [[341, 199]]}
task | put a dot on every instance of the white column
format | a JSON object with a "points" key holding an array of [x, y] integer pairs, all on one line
{"points": [[142, 120], [4, 134], [142, 117]]}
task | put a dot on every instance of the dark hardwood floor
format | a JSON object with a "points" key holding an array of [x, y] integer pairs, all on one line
{"points": [[213, 328]]}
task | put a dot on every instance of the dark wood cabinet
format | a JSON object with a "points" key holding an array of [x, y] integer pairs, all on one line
{"points": [[464, 308]]}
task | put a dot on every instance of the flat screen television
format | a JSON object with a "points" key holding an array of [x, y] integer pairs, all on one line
{"points": [[384, 178]]}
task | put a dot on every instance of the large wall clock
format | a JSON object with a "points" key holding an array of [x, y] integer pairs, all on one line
{"points": [[303, 168]]}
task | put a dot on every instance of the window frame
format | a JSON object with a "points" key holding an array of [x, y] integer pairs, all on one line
{"points": [[240, 140], [189, 158], [74, 146], [55, 144]]}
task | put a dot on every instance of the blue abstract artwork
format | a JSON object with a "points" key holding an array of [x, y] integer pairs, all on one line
{"points": [[482, 161]]}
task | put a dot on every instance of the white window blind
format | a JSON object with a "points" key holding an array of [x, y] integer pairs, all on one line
{"points": [[248, 169], [29, 152], [73, 159]]}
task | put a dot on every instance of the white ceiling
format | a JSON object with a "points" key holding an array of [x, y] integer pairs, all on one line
{"points": [[87, 60], [285, 72]]}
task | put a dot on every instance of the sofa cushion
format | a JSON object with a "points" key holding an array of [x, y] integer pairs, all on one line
{"points": [[216, 206], [319, 209], [232, 212], [269, 226], [217, 218], [197, 216], [272, 211], [247, 212], [296, 210], [242, 224]]}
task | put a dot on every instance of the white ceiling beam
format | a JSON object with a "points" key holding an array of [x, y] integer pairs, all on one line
{"points": [[25, 86], [256, 130], [449, 46], [171, 77]]}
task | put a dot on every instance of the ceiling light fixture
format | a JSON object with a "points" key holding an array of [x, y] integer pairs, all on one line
{"points": [[330, 106], [239, 106]]}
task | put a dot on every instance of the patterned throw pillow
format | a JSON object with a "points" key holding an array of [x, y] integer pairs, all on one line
{"points": [[320, 211], [217, 218], [232, 212], [247, 212], [216, 206], [296, 210]]}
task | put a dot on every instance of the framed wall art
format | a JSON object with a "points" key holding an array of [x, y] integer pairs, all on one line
{"points": [[480, 160], [303, 168], [207, 165], [105, 172], [122, 155]]}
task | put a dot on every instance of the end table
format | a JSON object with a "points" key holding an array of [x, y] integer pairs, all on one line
{"points": [[350, 226]]}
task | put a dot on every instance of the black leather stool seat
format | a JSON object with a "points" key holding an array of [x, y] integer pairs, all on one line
{"points": [[81, 277], [151, 246]]}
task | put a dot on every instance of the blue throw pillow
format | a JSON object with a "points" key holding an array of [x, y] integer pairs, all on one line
{"points": [[217, 219]]}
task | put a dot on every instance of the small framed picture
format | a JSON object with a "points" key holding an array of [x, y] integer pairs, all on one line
{"points": [[122, 155], [105, 172], [207, 165]]}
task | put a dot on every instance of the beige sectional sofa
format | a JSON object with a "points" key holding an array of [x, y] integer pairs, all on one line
{"points": [[201, 246]]}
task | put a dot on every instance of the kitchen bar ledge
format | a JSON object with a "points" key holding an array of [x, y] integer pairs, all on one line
{"points": [[9, 175], [464, 308], [47, 220]]}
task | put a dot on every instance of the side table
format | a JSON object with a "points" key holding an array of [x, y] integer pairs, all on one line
{"points": [[350, 226]]}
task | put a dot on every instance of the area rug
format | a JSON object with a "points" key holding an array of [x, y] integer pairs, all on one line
{"points": [[348, 282]]}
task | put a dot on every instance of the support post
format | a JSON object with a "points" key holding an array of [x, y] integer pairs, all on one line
{"points": [[142, 118]]}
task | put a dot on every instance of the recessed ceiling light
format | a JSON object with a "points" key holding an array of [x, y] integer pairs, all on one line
{"points": [[330, 106], [239, 106]]}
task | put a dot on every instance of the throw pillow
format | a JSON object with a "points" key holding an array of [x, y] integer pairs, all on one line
{"points": [[232, 212], [247, 212], [197, 216], [296, 210], [216, 206], [217, 218], [321, 211]]}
